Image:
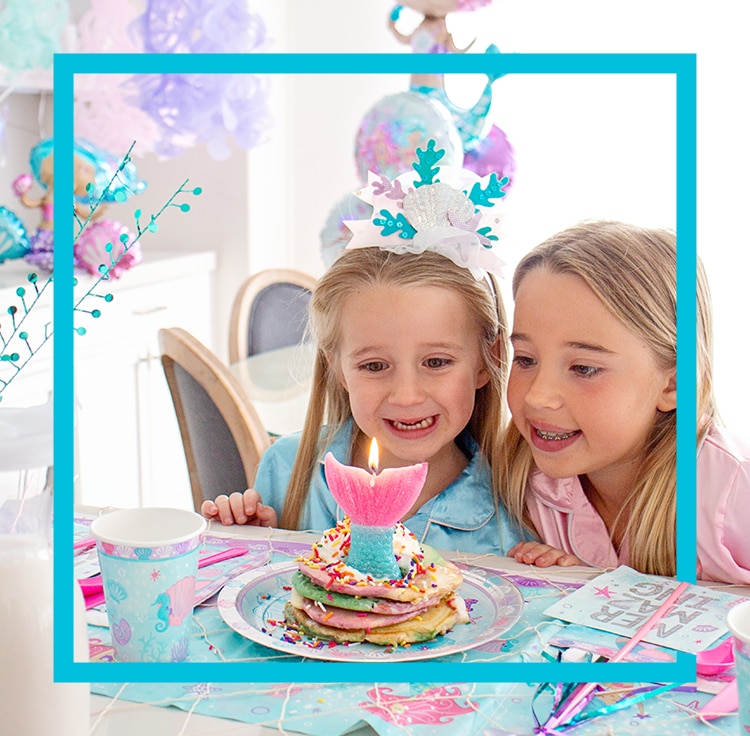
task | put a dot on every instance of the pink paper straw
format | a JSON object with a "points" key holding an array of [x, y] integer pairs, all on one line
{"points": [[579, 696]]}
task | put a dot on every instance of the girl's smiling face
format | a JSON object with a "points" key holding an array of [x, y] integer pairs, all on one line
{"points": [[410, 359], [584, 389]]}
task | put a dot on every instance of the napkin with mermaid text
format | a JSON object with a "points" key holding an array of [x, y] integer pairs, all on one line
{"points": [[621, 602]]}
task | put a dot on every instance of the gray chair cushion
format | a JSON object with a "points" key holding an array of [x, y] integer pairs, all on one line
{"points": [[219, 464], [278, 317]]}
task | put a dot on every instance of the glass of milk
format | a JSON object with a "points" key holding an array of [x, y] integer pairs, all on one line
{"points": [[30, 701]]}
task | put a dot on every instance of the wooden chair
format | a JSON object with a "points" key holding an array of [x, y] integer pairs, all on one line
{"points": [[222, 435], [269, 312]]}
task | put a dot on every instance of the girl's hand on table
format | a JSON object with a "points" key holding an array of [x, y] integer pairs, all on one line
{"points": [[239, 508], [542, 555]]}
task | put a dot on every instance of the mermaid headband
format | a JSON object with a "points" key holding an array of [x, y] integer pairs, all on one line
{"points": [[445, 209]]}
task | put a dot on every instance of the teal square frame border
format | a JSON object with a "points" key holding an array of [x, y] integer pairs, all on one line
{"points": [[682, 66]]}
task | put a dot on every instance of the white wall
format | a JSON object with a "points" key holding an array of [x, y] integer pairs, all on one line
{"points": [[586, 146]]}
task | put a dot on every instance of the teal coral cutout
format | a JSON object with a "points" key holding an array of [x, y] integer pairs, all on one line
{"points": [[391, 224], [426, 165], [486, 232], [494, 190], [442, 209]]}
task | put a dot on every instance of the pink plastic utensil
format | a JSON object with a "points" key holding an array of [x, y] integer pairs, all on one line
{"points": [[93, 599], [716, 660], [726, 701]]}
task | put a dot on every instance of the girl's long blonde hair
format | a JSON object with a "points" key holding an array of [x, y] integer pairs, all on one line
{"points": [[633, 271], [329, 407], [704, 345]]}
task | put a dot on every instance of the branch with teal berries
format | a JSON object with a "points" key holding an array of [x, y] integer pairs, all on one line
{"points": [[19, 342]]}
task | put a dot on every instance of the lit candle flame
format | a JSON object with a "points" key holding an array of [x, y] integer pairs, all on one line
{"points": [[373, 461]]}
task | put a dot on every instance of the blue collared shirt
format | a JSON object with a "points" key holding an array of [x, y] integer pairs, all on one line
{"points": [[462, 517]]}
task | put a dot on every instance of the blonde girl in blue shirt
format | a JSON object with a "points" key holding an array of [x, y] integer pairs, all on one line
{"points": [[412, 350]]}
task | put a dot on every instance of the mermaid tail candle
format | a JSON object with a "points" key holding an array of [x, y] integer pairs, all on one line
{"points": [[374, 502]]}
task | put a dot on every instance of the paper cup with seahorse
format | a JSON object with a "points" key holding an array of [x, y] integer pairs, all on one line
{"points": [[149, 562], [738, 620]]}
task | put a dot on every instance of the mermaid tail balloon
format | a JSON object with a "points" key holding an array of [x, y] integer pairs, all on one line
{"points": [[470, 122], [432, 37]]}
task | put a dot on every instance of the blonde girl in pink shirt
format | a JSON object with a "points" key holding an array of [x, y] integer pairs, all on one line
{"points": [[723, 471], [590, 454]]}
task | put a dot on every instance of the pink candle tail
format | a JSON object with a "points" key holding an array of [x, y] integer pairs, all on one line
{"points": [[374, 500]]}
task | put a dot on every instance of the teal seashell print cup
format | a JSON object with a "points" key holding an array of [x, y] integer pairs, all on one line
{"points": [[149, 561]]}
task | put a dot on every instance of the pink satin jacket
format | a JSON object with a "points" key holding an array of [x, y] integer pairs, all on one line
{"points": [[564, 517]]}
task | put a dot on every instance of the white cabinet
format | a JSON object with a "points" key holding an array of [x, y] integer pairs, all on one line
{"points": [[128, 446], [128, 441]]}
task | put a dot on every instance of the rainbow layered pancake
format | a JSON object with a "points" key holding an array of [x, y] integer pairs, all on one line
{"points": [[332, 600]]}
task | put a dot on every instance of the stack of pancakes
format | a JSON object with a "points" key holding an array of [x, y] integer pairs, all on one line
{"points": [[331, 600]]}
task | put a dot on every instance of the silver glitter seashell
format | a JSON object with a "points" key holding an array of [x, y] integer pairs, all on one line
{"points": [[428, 206]]}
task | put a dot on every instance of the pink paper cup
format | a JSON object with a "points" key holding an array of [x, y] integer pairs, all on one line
{"points": [[149, 562], [738, 620]]}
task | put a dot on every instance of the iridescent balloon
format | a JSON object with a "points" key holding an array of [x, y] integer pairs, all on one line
{"points": [[395, 126], [14, 240], [335, 235], [492, 154]]}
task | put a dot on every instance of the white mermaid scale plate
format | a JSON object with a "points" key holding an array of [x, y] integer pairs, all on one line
{"points": [[253, 605]]}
